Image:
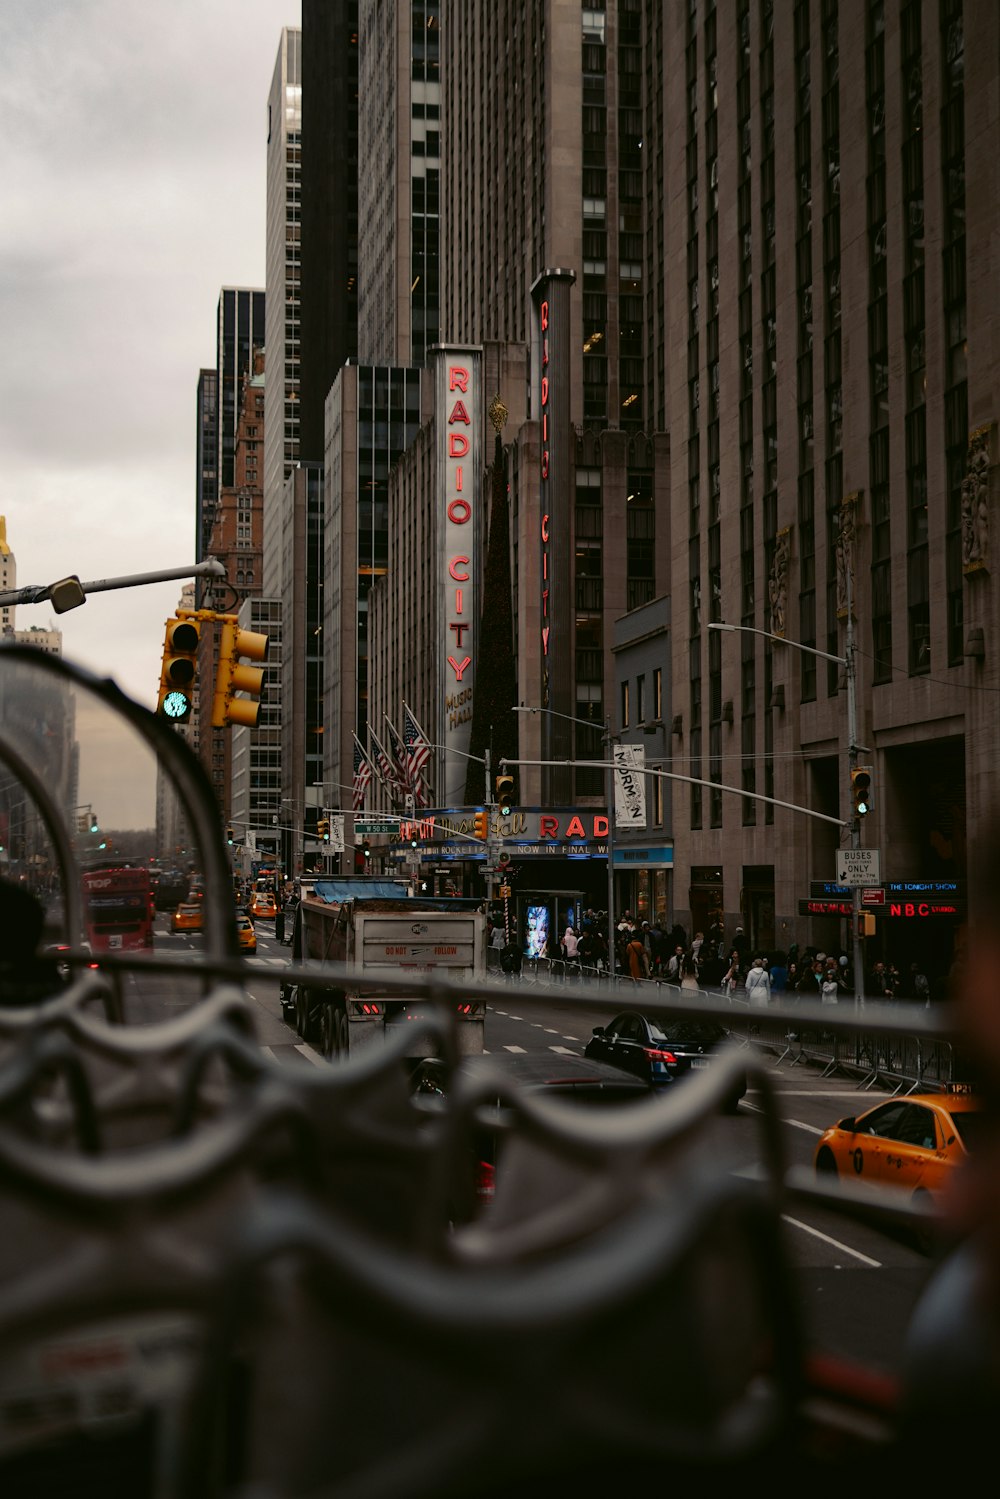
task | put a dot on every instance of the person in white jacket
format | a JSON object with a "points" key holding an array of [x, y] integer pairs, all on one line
{"points": [[758, 983]]}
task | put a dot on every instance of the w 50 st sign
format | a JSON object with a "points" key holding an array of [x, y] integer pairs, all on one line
{"points": [[630, 786]]}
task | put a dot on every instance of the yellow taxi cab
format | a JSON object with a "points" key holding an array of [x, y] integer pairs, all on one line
{"points": [[246, 934], [263, 904], [915, 1142], [186, 918]]}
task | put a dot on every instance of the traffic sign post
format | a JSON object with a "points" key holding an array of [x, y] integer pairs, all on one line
{"points": [[858, 866]]}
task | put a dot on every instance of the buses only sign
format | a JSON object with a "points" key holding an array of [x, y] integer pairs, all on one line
{"points": [[858, 866]]}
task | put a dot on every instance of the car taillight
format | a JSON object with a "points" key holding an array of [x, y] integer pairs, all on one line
{"points": [[656, 1055], [367, 1007], [485, 1181], [466, 1009]]}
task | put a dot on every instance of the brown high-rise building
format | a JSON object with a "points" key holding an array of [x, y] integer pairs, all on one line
{"points": [[236, 540], [755, 304]]}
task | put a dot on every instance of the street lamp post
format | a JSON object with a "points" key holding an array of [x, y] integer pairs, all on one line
{"points": [[847, 661], [607, 740]]}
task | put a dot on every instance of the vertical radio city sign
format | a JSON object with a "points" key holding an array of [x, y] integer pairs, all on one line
{"points": [[459, 500]]}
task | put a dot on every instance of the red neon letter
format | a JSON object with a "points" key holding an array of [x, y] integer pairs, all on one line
{"points": [[545, 527], [458, 379], [458, 601], [459, 414], [458, 445], [548, 827], [459, 511], [545, 464], [545, 315], [545, 641], [545, 390], [458, 633], [575, 828], [459, 562], [458, 670], [458, 478], [600, 827]]}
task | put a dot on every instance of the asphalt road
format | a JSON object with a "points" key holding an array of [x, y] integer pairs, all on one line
{"points": [[858, 1283]]}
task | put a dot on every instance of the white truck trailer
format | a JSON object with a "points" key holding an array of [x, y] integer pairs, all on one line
{"points": [[373, 927]]}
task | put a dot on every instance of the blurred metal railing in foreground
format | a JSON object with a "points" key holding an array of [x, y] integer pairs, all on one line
{"points": [[625, 1301]]}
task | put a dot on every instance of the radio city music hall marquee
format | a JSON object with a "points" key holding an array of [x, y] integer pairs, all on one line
{"points": [[459, 407]]}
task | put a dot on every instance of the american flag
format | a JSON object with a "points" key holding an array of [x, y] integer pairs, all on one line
{"points": [[418, 752], [388, 773], [362, 774], [400, 757], [417, 744]]}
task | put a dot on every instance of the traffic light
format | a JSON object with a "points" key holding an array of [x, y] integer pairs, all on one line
{"points": [[230, 835], [481, 825], [366, 850], [234, 676], [505, 794], [323, 830], [862, 797], [95, 826], [179, 670]]}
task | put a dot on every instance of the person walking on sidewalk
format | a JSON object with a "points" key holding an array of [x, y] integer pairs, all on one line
{"points": [[758, 983]]}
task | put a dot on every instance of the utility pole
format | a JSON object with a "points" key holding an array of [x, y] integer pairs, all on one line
{"points": [[608, 741], [490, 840], [850, 679]]}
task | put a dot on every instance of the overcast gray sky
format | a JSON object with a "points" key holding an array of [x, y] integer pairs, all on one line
{"points": [[132, 180]]}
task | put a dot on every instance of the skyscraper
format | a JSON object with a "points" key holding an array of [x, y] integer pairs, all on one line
{"points": [[283, 320], [239, 330]]}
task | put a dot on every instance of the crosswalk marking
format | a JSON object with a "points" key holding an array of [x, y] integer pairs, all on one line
{"points": [[519, 1049], [565, 1051]]}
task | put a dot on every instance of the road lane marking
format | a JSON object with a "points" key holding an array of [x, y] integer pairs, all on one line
{"points": [[812, 1129], [311, 1055], [520, 1049], [834, 1243], [571, 1038], [565, 1051]]}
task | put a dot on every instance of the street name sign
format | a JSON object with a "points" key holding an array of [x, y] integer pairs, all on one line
{"points": [[376, 827], [858, 866]]}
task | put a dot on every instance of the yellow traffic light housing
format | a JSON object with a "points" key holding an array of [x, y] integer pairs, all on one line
{"points": [[234, 676], [179, 670], [505, 794], [481, 825], [323, 829], [862, 794]]}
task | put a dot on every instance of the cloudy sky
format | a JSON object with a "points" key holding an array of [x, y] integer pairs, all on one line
{"points": [[132, 172]]}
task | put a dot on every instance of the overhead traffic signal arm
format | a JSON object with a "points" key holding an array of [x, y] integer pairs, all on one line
{"points": [[179, 669], [233, 675]]}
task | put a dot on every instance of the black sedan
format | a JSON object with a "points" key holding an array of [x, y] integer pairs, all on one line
{"points": [[660, 1051]]}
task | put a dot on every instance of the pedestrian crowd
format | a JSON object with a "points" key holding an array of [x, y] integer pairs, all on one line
{"points": [[650, 950]]}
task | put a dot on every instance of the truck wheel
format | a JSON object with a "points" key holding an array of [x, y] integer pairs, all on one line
{"points": [[328, 1032], [343, 1032], [305, 1024]]}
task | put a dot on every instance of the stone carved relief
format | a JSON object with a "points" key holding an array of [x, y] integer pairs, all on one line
{"points": [[976, 502], [777, 583]]}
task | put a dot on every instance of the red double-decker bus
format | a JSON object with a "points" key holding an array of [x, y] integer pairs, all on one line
{"points": [[118, 908]]}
